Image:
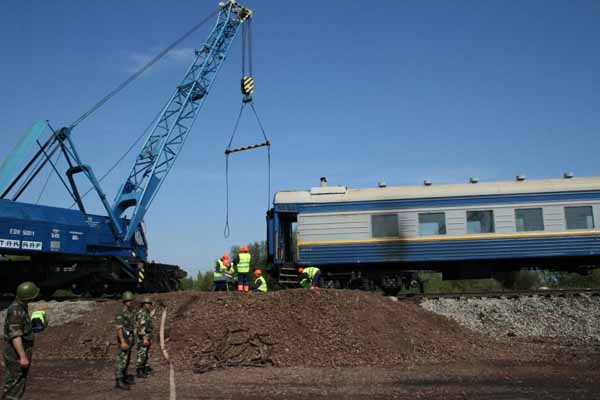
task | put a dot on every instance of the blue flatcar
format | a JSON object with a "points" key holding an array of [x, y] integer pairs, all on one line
{"points": [[379, 237]]}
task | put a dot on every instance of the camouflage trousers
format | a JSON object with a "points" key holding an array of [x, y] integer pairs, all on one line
{"points": [[123, 358], [141, 359], [15, 377]]}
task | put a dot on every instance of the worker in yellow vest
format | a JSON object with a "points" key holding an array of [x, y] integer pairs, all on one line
{"points": [[39, 321], [243, 269], [310, 277], [260, 283], [221, 275]]}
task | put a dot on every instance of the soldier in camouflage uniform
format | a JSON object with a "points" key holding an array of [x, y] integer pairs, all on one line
{"points": [[143, 329], [18, 342], [125, 325]]}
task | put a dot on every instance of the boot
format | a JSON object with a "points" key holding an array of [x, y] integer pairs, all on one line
{"points": [[129, 379], [141, 373], [121, 384]]}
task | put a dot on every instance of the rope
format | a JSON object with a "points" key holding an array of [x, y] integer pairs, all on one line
{"points": [[172, 387], [140, 71]]}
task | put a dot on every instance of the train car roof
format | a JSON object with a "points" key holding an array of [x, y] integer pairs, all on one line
{"points": [[334, 194]]}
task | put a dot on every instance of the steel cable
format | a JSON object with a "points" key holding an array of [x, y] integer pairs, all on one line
{"points": [[227, 229], [114, 166], [140, 71]]}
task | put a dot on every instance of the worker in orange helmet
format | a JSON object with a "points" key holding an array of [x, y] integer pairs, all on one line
{"points": [[260, 283], [243, 269], [309, 277], [39, 320], [221, 276]]}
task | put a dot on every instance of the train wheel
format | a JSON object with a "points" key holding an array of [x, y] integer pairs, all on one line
{"points": [[79, 289], [96, 291], [47, 292]]}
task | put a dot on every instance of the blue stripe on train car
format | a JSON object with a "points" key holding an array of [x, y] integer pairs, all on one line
{"points": [[482, 200], [467, 250]]}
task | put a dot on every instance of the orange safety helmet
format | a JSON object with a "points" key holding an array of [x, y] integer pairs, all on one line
{"points": [[244, 249], [225, 256], [257, 272], [300, 270]]}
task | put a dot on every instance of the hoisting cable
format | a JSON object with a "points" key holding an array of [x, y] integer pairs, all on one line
{"points": [[55, 170], [140, 71], [116, 164], [247, 90], [37, 167]]}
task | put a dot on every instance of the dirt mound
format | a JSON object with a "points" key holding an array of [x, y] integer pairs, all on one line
{"points": [[331, 328]]}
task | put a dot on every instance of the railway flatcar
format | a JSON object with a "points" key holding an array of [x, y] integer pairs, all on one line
{"points": [[380, 237]]}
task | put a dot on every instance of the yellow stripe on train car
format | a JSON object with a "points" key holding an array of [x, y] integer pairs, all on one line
{"points": [[443, 238]]}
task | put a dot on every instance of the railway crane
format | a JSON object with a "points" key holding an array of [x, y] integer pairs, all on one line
{"points": [[70, 248]]}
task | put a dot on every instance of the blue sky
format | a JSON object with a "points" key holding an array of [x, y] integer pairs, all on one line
{"points": [[355, 91]]}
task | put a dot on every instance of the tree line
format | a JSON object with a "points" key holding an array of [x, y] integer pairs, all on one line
{"points": [[204, 280]]}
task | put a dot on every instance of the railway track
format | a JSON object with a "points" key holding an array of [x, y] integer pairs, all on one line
{"points": [[514, 294]]}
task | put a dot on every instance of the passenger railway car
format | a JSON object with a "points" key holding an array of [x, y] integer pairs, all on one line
{"points": [[379, 237]]}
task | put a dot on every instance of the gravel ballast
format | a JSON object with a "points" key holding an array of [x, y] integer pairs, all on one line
{"points": [[574, 320]]}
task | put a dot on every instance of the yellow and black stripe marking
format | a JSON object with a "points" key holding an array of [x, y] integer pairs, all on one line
{"points": [[247, 85], [141, 276]]}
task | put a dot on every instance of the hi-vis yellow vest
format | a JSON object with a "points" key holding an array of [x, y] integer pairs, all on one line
{"points": [[243, 266], [261, 284], [220, 269], [41, 315]]}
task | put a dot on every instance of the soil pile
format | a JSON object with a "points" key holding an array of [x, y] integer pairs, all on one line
{"points": [[330, 328]]}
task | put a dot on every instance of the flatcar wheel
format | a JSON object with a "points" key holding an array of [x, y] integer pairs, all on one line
{"points": [[47, 292], [79, 289], [96, 291]]}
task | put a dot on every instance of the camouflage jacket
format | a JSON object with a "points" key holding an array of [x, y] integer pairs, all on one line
{"points": [[125, 320], [18, 323], [143, 323]]}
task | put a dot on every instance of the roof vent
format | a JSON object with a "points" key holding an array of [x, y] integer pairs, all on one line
{"points": [[473, 179], [426, 182], [568, 175], [521, 178], [381, 184], [323, 181]]}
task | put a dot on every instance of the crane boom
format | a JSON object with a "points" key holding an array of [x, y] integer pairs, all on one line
{"points": [[166, 139]]}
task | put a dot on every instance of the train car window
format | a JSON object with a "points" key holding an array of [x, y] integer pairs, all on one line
{"points": [[432, 224], [385, 225], [581, 217], [480, 221], [529, 219]]}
